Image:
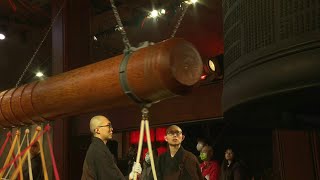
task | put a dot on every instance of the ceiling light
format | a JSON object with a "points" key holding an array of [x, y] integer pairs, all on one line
{"points": [[191, 1], [39, 74], [2, 36], [154, 14]]}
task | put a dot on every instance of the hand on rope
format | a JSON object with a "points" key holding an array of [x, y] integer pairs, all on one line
{"points": [[136, 169], [145, 125]]}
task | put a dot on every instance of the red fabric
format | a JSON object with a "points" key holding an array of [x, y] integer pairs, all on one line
{"points": [[155, 135], [210, 169], [160, 133], [151, 135], [135, 135]]}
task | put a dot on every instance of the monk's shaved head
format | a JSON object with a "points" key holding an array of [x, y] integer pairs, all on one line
{"points": [[95, 122], [173, 128]]}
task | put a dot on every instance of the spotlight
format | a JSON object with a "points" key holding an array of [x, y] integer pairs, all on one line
{"points": [[3, 32], [211, 65], [213, 68], [2, 36]]}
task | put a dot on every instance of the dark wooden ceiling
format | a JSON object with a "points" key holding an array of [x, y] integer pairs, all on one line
{"points": [[26, 22]]}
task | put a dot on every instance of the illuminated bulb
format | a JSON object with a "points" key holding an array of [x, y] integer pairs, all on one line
{"points": [[191, 1], [2, 36], [212, 66], [203, 77], [95, 38], [154, 14], [163, 11], [39, 74]]}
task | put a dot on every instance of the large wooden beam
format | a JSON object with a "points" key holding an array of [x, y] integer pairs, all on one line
{"points": [[154, 73]]}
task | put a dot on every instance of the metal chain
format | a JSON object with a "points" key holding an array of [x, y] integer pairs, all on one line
{"points": [[121, 28], [43, 39], [179, 21]]}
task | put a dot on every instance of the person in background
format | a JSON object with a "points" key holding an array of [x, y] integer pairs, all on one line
{"points": [[210, 168], [99, 163], [177, 163], [201, 143], [147, 171], [132, 153], [232, 168], [37, 172]]}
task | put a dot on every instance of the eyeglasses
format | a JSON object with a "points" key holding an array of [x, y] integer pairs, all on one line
{"points": [[108, 125], [172, 133]]}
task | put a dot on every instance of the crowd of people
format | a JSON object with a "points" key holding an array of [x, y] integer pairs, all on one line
{"points": [[174, 164]]}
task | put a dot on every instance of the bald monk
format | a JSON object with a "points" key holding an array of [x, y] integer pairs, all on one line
{"points": [[99, 163], [177, 163]]}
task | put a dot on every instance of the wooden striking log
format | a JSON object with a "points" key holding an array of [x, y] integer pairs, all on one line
{"points": [[154, 73]]}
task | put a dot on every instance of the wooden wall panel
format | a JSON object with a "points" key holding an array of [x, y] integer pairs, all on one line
{"points": [[203, 103], [294, 157]]}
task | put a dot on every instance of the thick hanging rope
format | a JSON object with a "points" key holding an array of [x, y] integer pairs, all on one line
{"points": [[5, 166], [144, 122], [121, 28], [18, 152], [43, 39], [5, 143], [180, 19], [53, 160], [145, 125]]}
